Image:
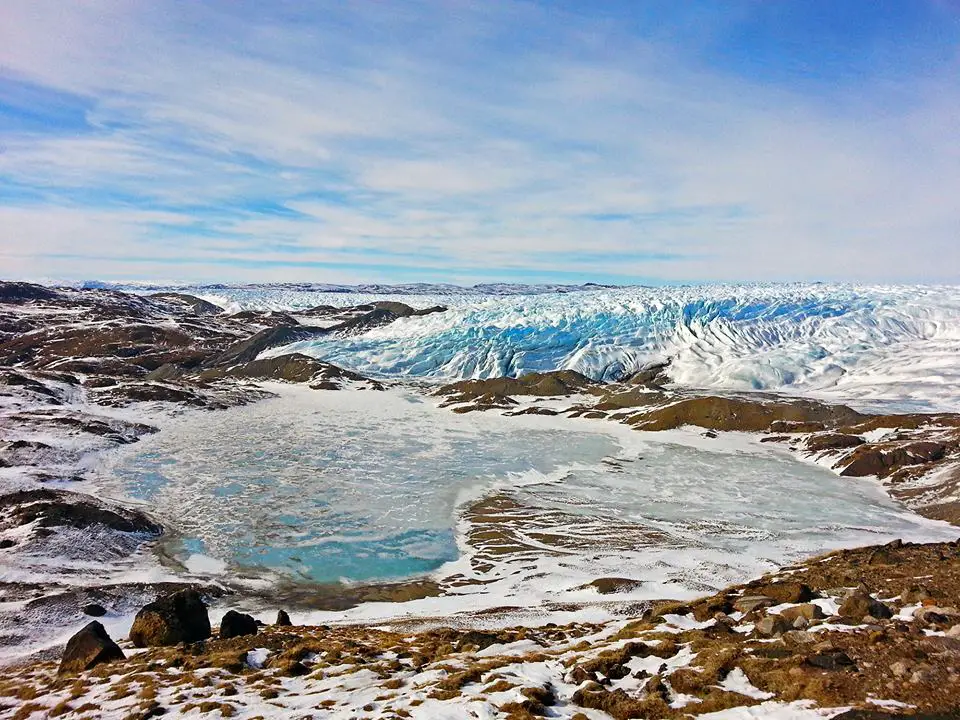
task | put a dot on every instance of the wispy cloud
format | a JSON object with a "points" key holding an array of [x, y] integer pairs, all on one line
{"points": [[469, 141]]}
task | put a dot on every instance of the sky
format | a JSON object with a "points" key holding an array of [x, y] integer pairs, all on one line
{"points": [[625, 141]]}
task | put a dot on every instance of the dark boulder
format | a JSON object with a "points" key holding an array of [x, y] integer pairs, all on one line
{"points": [[785, 592], [90, 647], [283, 619], [235, 624], [180, 617], [836, 660], [883, 460], [94, 610]]}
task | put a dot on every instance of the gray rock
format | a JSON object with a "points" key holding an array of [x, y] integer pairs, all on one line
{"points": [[772, 625]]}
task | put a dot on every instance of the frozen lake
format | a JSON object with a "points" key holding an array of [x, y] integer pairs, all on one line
{"points": [[368, 486]]}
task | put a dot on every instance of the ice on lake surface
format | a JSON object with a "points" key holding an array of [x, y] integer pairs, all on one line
{"points": [[367, 486]]}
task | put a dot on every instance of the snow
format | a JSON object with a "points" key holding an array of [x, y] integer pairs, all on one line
{"points": [[738, 682]]}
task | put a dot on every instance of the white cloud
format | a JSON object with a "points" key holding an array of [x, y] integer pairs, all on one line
{"points": [[429, 128]]}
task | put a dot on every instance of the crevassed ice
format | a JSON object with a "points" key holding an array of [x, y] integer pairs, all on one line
{"points": [[896, 345]]}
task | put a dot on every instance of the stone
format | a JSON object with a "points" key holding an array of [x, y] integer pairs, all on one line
{"points": [[772, 625], [832, 441], [953, 632], [935, 615], [914, 594], [94, 610], [800, 623], [283, 620], [836, 660], [787, 592], [900, 669], [180, 617], [859, 604], [808, 611], [90, 647], [748, 603], [236, 624]]}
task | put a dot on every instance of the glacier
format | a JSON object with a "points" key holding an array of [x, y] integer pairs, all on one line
{"points": [[890, 348]]}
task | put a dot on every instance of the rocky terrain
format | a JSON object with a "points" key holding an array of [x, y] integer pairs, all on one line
{"points": [[870, 633], [80, 370]]}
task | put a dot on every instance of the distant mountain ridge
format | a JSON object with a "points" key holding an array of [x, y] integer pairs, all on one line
{"points": [[493, 289]]}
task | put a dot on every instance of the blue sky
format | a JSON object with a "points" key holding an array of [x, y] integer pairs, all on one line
{"points": [[480, 141]]}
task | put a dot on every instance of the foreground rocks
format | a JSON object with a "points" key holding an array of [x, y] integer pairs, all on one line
{"points": [[676, 660]]}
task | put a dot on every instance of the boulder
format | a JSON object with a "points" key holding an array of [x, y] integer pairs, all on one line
{"points": [[748, 603], [836, 660], [613, 585], [90, 647], [885, 459], [858, 604], [94, 610], [786, 592], [283, 620], [808, 611], [236, 624], [180, 617], [772, 625]]}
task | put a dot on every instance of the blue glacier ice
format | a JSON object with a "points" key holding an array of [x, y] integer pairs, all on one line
{"points": [[869, 345]]}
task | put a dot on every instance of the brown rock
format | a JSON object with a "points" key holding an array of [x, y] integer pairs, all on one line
{"points": [[91, 646], [749, 603], [180, 617], [787, 592], [772, 625], [859, 604], [833, 441], [808, 611]]}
